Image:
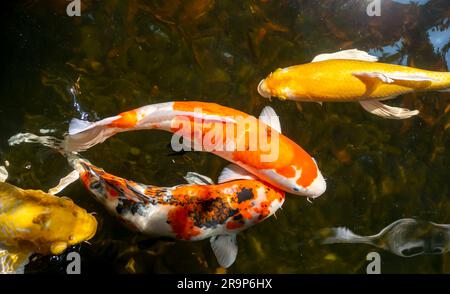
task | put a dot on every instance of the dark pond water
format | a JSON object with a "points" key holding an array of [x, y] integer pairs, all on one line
{"points": [[123, 54]]}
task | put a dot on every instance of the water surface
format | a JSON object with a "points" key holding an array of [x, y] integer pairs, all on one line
{"points": [[124, 54]]}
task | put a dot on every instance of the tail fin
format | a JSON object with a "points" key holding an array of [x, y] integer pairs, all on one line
{"points": [[48, 141], [343, 235], [54, 144], [77, 126], [83, 134], [13, 261]]}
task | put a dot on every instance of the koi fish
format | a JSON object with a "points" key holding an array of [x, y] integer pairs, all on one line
{"points": [[405, 237], [190, 212], [32, 221], [292, 169], [352, 76]]}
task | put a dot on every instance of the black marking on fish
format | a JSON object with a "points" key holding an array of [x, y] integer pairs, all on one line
{"points": [[210, 213], [244, 195], [134, 208]]}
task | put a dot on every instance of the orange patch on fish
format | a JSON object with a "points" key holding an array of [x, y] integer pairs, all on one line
{"points": [[232, 225], [207, 108], [126, 120], [287, 171], [307, 177], [182, 225], [263, 210]]}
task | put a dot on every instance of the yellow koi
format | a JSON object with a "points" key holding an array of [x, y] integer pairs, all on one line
{"points": [[353, 76], [32, 221]]}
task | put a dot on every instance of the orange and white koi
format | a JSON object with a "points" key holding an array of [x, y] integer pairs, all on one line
{"points": [[292, 169], [190, 212], [352, 76]]}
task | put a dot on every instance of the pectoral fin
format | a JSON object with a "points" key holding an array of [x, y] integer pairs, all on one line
{"points": [[353, 54], [58, 247], [198, 179], [386, 111], [270, 118], [225, 248], [414, 81], [233, 172], [3, 174], [13, 261]]}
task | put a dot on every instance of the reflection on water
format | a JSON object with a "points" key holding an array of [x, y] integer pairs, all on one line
{"points": [[439, 37], [394, 49], [418, 2], [405, 237], [125, 54]]}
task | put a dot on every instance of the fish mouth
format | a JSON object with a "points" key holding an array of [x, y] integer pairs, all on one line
{"points": [[317, 187], [263, 90], [91, 225]]}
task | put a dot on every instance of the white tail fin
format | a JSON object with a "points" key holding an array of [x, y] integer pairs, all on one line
{"points": [[343, 235], [83, 134], [13, 261], [77, 126], [48, 141]]}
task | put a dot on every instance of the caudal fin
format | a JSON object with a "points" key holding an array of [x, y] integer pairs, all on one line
{"points": [[84, 134], [48, 141], [77, 126], [13, 261], [342, 235]]}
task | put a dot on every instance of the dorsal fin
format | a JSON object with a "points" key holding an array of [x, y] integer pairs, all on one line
{"points": [[415, 81], [233, 172], [353, 54]]}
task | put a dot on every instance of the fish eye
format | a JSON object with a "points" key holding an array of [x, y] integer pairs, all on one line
{"points": [[296, 189], [95, 185]]}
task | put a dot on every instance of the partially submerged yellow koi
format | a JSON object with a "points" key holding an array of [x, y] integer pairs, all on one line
{"points": [[353, 76], [32, 221]]}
